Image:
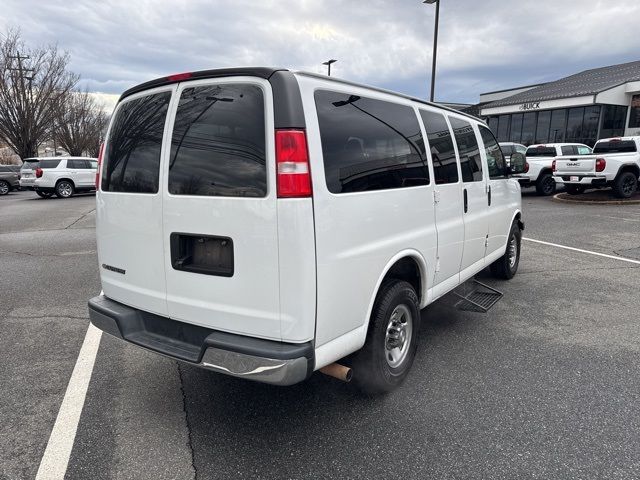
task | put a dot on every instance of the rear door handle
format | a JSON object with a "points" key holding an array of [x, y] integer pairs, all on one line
{"points": [[466, 201]]}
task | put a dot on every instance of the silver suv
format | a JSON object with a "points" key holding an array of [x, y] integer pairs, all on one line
{"points": [[9, 178]]}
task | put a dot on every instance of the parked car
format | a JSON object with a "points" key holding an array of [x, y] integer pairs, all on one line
{"points": [[538, 172], [509, 148], [28, 173], [615, 163], [62, 176], [9, 178], [266, 224]]}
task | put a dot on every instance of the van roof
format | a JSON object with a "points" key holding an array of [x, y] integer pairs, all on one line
{"points": [[266, 73]]}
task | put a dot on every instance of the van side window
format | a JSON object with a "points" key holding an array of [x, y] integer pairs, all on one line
{"points": [[470, 162], [218, 143], [495, 159], [369, 144], [132, 160], [442, 152]]}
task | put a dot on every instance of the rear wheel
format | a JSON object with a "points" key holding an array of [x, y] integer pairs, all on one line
{"points": [[546, 185], [385, 360], [574, 189], [507, 265], [625, 184], [64, 189], [4, 187]]}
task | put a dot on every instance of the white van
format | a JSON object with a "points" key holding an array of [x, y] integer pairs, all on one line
{"points": [[266, 224]]}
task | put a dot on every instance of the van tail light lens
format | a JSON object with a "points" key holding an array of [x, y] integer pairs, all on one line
{"points": [[38, 172], [99, 170], [553, 166], [601, 164], [292, 163], [526, 167]]}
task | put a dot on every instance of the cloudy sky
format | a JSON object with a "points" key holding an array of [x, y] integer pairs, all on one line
{"points": [[484, 45]]}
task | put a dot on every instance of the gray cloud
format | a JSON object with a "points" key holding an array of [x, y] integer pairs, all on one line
{"points": [[484, 45]]}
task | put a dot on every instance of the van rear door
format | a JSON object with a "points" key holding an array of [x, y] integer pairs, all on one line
{"points": [[129, 203], [220, 226]]}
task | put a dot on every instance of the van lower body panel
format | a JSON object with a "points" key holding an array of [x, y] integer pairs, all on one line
{"points": [[266, 361]]}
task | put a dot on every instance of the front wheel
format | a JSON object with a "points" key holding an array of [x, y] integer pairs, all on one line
{"points": [[546, 185], [625, 185], [64, 189], [392, 339], [507, 265], [574, 189], [5, 188]]}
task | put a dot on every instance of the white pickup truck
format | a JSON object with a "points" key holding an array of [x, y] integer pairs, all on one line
{"points": [[538, 171], [615, 163]]}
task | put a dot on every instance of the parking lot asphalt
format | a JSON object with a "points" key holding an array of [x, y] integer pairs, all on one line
{"points": [[543, 386]]}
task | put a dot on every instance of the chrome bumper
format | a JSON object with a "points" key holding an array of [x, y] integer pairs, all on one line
{"points": [[240, 356]]}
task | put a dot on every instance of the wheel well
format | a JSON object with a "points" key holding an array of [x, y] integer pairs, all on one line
{"points": [[66, 179], [630, 168], [544, 171], [407, 269]]}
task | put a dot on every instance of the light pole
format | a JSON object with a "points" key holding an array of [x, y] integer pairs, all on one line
{"points": [[328, 64], [435, 46]]}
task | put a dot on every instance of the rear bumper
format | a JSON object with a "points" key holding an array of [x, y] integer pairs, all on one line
{"points": [[582, 179], [256, 359], [27, 183]]}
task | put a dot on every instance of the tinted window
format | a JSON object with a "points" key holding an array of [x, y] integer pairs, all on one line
{"points": [[443, 154], [369, 144], [542, 128], [29, 165], [48, 163], [493, 124], [77, 163], [132, 159], [634, 115], [470, 162], [528, 128], [574, 124], [590, 124], [613, 119], [503, 127], [516, 127], [541, 152], [507, 149], [568, 150], [495, 159], [4, 169], [557, 128], [615, 146], [218, 143]]}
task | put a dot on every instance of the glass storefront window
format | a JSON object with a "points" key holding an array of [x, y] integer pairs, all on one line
{"points": [[590, 125], [574, 124], [503, 128], [634, 117], [542, 130], [493, 125], [516, 127], [613, 120], [557, 127], [528, 128]]}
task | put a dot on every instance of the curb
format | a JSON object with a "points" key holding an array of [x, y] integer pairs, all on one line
{"points": [[557, 198]]}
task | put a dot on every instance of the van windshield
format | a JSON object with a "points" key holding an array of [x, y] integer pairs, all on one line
{"points": [[541, 152], [615, 146]]}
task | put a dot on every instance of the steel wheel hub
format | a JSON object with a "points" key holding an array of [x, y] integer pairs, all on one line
{"points": [[513, 252], [398, 337]]}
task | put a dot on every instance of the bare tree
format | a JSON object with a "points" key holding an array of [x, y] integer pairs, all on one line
{"points": [[80, 123], [33, 82]]}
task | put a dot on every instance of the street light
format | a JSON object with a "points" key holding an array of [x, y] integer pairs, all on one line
{"points": [[328, 64], [435, 45]]}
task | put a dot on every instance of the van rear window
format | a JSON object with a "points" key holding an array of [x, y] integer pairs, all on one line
{"points": [[132, 160], [369, 144], [615, 146], [541, 152], [218, 143]]}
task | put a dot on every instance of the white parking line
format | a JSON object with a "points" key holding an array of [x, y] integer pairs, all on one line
{"points": [[53, 465], [615, 257]]}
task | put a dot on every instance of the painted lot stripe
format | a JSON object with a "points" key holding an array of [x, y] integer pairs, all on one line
{"points": [[614, 257], [53, 465]]}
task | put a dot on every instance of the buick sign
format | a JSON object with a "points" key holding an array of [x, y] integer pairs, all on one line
{"points": [[530, 106]]}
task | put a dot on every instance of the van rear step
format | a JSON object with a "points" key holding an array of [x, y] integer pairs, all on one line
{"points": [[475, 296]]}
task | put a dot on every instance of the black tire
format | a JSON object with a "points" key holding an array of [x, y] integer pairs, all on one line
{"points": [[374, 371], [65, 189], [43, 194], [546, 185], [625, 185], [5, 188], [507, 266], [574, 189]]}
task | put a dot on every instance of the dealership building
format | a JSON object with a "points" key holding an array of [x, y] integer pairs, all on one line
{"points": [[598, 103]]}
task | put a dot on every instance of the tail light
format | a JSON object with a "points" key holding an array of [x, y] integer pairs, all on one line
{"points": [[553, 166], [99, 170], [526, 167], [601, 163], [292, 163], [38, 172]]}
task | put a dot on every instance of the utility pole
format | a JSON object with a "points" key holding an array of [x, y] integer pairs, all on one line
{"points": [[27, 97]]}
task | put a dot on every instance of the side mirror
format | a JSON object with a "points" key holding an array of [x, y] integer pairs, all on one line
{"points": [[518, 161]]}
